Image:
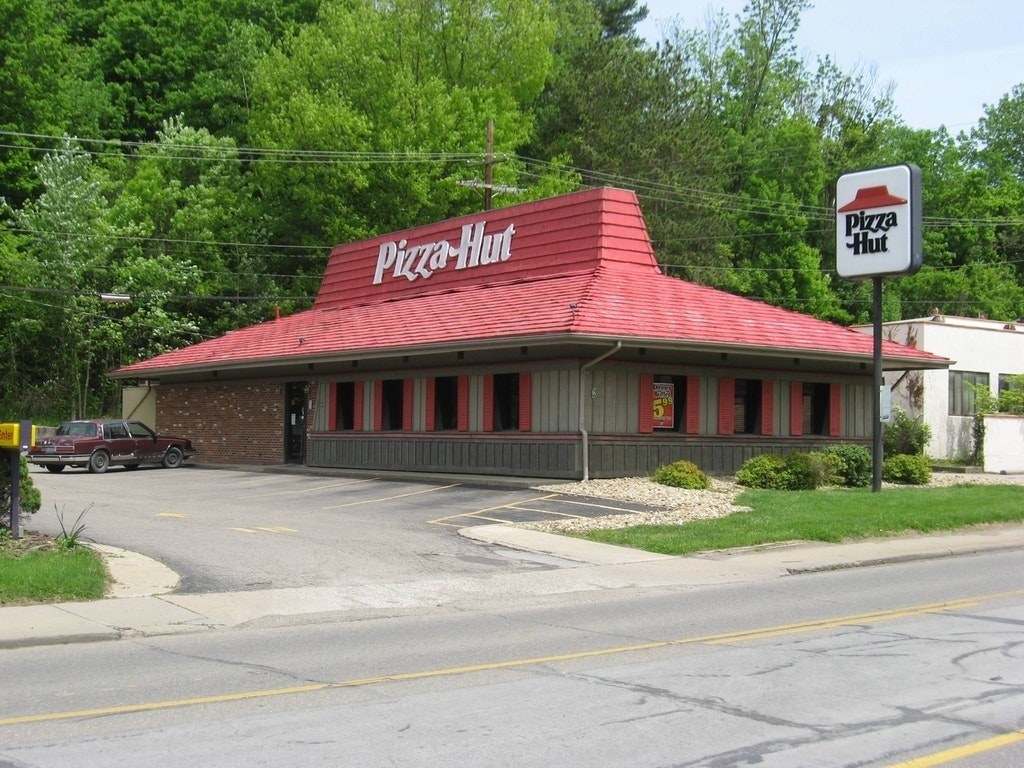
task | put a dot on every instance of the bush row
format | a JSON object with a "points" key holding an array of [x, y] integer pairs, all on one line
{"points": [[843, 464]]}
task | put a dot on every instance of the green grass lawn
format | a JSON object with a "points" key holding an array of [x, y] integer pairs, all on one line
{"points": [[828, 515], [49, 574]]}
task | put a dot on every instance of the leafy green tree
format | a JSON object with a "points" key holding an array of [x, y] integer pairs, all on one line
{"points": [[378, 111], [45, 87], [68, 244], [188, 224], [161, 58]]}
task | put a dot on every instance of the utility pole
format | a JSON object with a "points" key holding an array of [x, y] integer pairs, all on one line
{"points": [[487, 185], [489, 167]]}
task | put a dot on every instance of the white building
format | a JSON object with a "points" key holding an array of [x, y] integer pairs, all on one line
{"points": [[984, 353]]}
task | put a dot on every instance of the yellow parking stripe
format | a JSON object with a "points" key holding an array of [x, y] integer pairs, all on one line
{"points": [[474, 513], [295, 492], [390, 498], [265, 529]]}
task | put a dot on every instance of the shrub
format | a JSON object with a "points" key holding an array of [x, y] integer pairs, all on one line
{"points": [[854, 464], [905, 436], [765, 471], [808, 471], [681, 474], [906, 469]]}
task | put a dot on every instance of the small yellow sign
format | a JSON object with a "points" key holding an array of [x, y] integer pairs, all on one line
{"points": [[10, 435]]}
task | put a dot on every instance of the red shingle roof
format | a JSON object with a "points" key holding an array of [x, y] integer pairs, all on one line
{"points": [[578, 266]]}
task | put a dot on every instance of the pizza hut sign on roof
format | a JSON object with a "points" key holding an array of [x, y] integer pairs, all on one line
{"points": [[878, 222]]}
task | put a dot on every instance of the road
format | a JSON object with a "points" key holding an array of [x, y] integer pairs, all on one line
{"points": [[869, 667]]}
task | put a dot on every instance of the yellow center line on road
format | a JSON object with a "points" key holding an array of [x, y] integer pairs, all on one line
{"points": [[968, 750], [295, 492], [715, 639], [390, 498]]}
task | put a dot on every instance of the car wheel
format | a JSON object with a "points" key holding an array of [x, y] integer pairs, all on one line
{"points": [[99, 462], [54, 467], [173, 457]]}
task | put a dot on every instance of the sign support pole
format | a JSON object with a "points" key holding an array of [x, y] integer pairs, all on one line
{"points": [[14, 467], [878, 234], [876, 380]]}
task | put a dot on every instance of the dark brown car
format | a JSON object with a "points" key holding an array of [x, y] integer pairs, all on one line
{"points": [[102, 443]]}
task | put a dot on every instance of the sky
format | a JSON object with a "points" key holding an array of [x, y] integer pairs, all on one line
{"points": [[947, 58]]}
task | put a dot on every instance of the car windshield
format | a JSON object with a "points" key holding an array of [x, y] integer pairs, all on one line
{"points": [[77, 429]]}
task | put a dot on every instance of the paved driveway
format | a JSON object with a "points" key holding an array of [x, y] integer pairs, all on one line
{"points": [[228, 529]]}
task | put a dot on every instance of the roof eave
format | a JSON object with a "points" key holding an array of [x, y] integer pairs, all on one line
{"points": [[889, 362]]}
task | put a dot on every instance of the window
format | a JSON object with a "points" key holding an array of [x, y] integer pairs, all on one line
{"points": [[815, 409], [747, 407], [346, 406], [392, 394], [446, 403], [678, 405], [138, 430], [115, 431], [1011, 382], [962, 401], [506, 402]]}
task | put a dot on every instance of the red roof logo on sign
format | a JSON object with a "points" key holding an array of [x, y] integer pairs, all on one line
{"points": [[872, 197]]}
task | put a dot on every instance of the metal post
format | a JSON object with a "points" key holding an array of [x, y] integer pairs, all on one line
{"points": [[14, 459], [876, 380]]}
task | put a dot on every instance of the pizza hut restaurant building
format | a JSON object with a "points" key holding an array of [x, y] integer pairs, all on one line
{"points": [[538, 340]]}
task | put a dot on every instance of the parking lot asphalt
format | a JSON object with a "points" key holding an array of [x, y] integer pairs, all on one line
{"points": [[489, 558]]}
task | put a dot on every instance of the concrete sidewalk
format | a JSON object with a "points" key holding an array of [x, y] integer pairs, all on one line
{"points": [[143, 603]]}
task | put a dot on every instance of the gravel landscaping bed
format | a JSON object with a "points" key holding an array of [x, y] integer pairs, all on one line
{"points": [[674, 506]]}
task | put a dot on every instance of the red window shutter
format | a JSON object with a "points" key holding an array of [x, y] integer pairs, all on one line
{"points": [[332, 406], [726, 405], [835, 409], [357, 406], [692, 405], [796, 408], [487, 422], [767, 407], [407, 404], [462, 407], [646, 403], [525, 402], [429, 418], [378, 405]]}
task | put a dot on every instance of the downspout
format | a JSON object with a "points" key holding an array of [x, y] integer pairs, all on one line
{"points": [[583, 429]]}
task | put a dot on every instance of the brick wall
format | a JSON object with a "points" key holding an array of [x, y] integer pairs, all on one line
{"points": [[230, 423]]}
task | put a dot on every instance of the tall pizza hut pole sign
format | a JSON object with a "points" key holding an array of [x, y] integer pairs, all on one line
{"points": [[878, 234]]}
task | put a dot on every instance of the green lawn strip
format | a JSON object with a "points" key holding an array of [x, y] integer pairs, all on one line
{"points": [[51, 575], [828, 515]]}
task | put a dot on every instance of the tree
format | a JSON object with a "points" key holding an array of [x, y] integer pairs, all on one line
{"points": [[393, 100], [45, 87], [68, 244], [620, 112], [162, 58], [620, 17]]}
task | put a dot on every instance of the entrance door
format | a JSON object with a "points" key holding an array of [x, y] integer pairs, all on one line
{"points": [[295, 422]]}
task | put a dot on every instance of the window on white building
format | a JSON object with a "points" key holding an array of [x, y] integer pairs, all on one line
{"points": [[962, 385]]}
